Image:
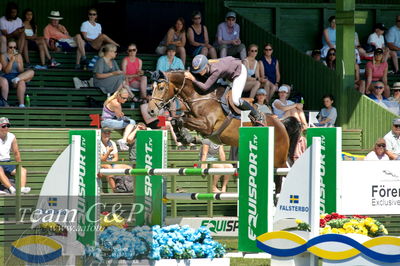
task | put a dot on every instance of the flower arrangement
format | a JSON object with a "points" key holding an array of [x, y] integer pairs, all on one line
{"points": [[335, 223], [155, 243], [52, 228], [111, 219]]}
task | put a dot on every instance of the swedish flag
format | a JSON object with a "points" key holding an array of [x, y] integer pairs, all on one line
{"points": [[294, 198], [52, 202]]}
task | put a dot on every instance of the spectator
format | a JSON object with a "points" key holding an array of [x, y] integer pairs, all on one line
{"points": [[359, 51], [57, 36], [132, 140], [284, 108], [253, 75], [197, 35], [329, 37], [9, 143], [91, 32], [330, 59], [109, 153], [3, 85], [11, 27], [176, 35], [316, 55], [377, 92], [107, 75], [393, 42], [269, 71], [33, 42], [376, 40], [13, 67], [114, 118], [376, 70], [261, 102], [359, 84], [396, 93], [132, 68], [170, 61], [379, 152], [228, 38], [392, 139], [327, 116], [212, 152]]}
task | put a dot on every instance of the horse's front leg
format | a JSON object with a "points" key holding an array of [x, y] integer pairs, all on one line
{"points": [[182, 134]]}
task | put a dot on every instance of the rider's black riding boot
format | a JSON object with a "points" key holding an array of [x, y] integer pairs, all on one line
{"points": [[245, 106]]}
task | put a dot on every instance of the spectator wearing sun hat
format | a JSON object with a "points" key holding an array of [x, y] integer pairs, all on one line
{"points": [[392, 139], [396, 93], [8, 143], [170, 61], [55, 31], [228, 38], [261, 102]]}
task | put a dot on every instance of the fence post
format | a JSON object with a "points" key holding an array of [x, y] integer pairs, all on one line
{"points": [[18, 193]]}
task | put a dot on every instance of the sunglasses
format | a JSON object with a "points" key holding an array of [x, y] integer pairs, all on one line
{"points": [[378, 87], [396, 126], [268, 49], [124, 98], [12, 47], [396, 90], [254, 51], [132, 50], [332, 54], [397, 20], [6, 125], [381, 145], [92, 14]]}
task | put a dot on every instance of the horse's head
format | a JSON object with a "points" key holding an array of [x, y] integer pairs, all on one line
{"points": [[166, 87]]}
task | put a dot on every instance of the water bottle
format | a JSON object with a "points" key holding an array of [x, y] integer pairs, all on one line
{"points": [[302, 100], [27, 101]]}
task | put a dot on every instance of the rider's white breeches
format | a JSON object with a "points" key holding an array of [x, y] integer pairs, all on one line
{"points": [[238, 86]]}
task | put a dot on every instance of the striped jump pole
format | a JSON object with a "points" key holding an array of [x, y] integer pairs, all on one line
{"points": [[170, 171], [202, 196]]}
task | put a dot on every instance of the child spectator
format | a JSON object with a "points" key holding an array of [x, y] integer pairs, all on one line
{"points": [[228, 38], [33, 42], [379, 152], [56, 35], [213, 152], [261, 102], [377, 40], [11, 27], [170, 61], [329, 37], [327, 116], [91, 32], [13, 67], [8, 143], [176, 35], [270, 75], [132, 68], [114, 118], [253, 75], [376, 70], [197, 35], [107, 75], [109, 153]]}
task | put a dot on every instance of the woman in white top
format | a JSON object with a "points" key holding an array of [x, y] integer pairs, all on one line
{"points": [[91, 31], [35, 43], [253, 75], [284, 108]]}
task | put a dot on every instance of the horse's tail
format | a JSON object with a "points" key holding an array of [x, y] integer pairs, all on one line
{"points": [[293, 128]]}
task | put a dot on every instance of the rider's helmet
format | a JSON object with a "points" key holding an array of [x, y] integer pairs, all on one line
{"points": [[199, 63]]}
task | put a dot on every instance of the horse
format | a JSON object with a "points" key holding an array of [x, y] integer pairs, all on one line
{"points": [[204, 114]]}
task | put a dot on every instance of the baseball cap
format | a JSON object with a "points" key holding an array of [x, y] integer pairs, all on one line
{"points": [[171, 47], [106, 129], [396, 121], [380, 26], [315, 52], [230, 14], [283, 88], [378, 51], [4, 120], [261, 91]]}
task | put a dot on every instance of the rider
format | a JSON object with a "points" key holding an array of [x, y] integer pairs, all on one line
{"points": [[228, 68]]}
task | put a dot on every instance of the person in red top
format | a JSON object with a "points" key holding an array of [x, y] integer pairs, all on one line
{"points": [[55, 31], [132, 68], [376, 70]]}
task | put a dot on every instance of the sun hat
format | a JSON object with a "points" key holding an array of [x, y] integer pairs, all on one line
{"points": [[261, 91], [283, 88], [396, 121], [199, 63], [4, 121], [55, 15], [396, 86]]}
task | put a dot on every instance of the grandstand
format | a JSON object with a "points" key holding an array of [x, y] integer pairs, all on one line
{"points": [[293, 27]]}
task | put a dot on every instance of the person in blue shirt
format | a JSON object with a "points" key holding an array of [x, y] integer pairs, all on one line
{"points": [[170, 61]]}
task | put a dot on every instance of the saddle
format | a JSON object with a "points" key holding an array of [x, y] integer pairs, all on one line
{"points": [[229, 107]]}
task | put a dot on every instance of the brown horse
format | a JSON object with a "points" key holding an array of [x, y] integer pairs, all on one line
{"points": [[203, 113]]}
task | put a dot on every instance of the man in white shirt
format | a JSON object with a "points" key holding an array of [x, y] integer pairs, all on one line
{"points": [[392, 139], [11, 26], [8, 143]]}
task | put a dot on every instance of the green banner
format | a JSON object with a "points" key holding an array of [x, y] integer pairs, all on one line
{"points": [[87, 209], [331, 151], [151, 152], [256, 156]]}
